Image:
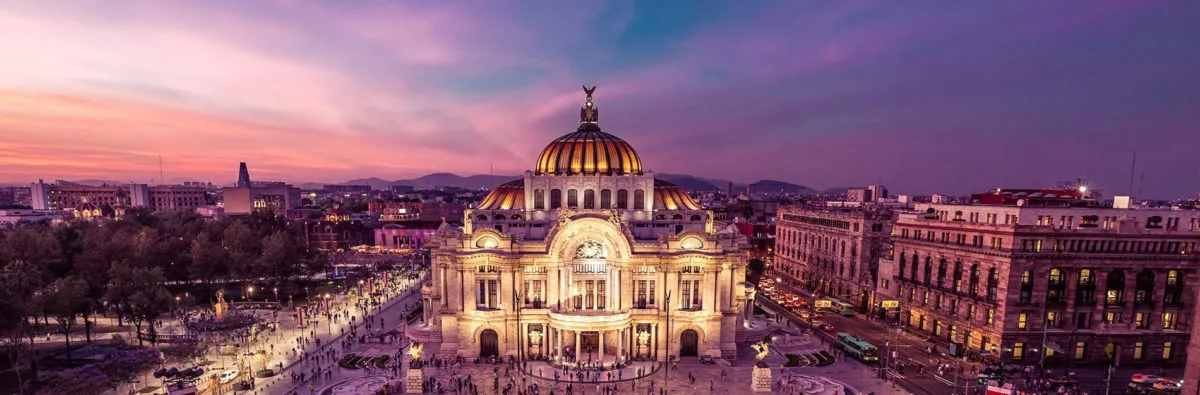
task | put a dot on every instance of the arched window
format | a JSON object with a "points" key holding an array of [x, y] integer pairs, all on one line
{"points": [[1026, 287], [555, 198], [622, 199], [498, 217], [539, 197], [639, 199], [606, 199], [958, 276], [661, 217], [941, 273], [973, 288], [1056, 287], [1114, 294], [928, 270], [1144, 296], [695, 218], [515, 217], [903, 262], [677, 217], [916, 262], [1085, 291], [572, 198], [589, 199], [1174, 289], [993, 284], [481, 218]]}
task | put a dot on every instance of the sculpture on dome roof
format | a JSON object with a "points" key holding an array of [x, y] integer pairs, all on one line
{"points": [[589, 113]]}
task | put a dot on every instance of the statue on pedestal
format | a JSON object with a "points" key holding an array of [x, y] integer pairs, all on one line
{"points": [[760, 377], [221, 307]]}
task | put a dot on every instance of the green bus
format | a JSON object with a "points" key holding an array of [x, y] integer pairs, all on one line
{"points": [[857, 348], [840, 307]]}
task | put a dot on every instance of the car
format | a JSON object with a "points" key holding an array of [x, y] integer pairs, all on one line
{"points": [[822, 325], [228, 376]]}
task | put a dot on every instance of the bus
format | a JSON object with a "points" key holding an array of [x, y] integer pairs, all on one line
{"points": [[857, 348], [840, 307]]}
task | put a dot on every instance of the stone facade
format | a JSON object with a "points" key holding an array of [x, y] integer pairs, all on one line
{"points": [[835, 251], [1094, 285], [585, 261]]}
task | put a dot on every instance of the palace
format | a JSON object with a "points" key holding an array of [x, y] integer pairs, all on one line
{"points": [[584, 259]]}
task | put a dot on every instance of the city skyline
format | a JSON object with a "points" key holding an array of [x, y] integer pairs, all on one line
{"points": [[922, 97]]}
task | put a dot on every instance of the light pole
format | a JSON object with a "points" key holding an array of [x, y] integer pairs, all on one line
{"points": [[251, 292], [520, 332], [667, 366], [276, 289]]}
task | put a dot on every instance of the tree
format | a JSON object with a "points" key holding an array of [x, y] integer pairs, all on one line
{"points": [[19, 281], [279, 257], [243, 247], [207, 260], [34, 245], [122, 284], [65, 299], [138, 294]]}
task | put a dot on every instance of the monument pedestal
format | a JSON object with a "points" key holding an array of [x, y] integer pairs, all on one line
{"points": [[760, 378], [414, 384]]}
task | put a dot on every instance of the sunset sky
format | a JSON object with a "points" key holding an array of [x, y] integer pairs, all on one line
{"points": [[937, 96]]}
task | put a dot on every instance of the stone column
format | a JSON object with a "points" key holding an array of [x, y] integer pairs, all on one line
{"points": [[552, 288], [577, 348], [558, 342], [471, 301], [600, 352], [710, 290], [620, 343]]}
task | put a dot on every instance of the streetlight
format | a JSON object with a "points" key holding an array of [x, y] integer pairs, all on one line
{"points": [[276, 289], [667, 370], [251, 292], [328, 316]]}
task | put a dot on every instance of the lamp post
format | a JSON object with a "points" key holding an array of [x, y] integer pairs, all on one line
{"points": [[276, 289], [250, 291], [667, 365], [328, 316], [520, 332]]}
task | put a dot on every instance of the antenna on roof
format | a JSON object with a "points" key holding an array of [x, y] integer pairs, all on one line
{"points": [[160, 170]]}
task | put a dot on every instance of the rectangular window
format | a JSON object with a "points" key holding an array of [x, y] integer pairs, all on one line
{"points": [[926, 300], [1139, 350], [1080, 351], [991, 316], [1139, 320], [1168, 350], [1052, 319], [1112, 317], [1018, 351], [1022, 320], [1168, 320]]}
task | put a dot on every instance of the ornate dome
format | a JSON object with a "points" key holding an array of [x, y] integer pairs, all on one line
{"points": [[588, 150], [668, 196], [507, 196]]}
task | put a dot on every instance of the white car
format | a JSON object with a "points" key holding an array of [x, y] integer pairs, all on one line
{"points": [[228, 376]]}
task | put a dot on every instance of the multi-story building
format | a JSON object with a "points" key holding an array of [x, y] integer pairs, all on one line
{"points": [[392, 211], [1048, 276], [582, 259], [167, 197], [833, 250], [251, 196]]}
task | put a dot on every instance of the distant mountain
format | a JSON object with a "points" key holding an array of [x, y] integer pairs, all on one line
{"points": [[773, 186], [479, 181], [374, 182], [97, 183], [687, 182]]}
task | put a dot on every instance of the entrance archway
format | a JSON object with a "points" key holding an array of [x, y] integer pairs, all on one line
{"points": [[688, 343], [489, 343]]}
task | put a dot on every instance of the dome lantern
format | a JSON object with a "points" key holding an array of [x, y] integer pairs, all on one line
{"points": [[588, 151]]}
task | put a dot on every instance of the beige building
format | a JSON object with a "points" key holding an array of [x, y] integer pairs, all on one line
{"points": [[583, 259], [833, 250], [1059, 278]]}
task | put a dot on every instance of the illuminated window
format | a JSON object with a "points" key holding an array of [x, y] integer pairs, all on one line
{"points": [[1112, 317], [639, 199], [991, 315], [1168, 320], [1022, 320], [1139, 321], [1080, 351], [1168, 350], [1018, 351], [1139, 349]]}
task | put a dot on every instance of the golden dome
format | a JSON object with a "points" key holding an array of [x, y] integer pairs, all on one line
{"points": [[668, 196], [507, 196], [588, 151]]}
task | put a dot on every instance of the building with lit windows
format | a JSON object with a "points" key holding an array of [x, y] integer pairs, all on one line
{"points": [[581, 259], [1048, 275], [257, 196], [833, 250]]}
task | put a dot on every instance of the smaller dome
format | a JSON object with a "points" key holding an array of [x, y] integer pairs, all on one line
{"points": [[668, 196], [507, 196]]}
